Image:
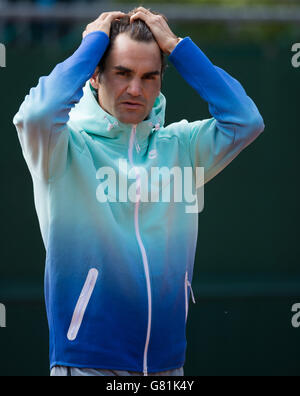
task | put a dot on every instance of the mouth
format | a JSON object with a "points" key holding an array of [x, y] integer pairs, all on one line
{"points": [[132, 105]]}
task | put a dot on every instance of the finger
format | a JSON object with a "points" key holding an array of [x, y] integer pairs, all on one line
{"points": [[112, 15], [111, 18], [140, 15], [116, 14], [142, 9], [103, 15]]}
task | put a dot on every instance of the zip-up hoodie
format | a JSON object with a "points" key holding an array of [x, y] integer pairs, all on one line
{"points": [[118, 274]]}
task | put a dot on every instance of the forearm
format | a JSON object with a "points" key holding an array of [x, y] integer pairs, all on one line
{"points": [[55, 95], [42, 118], [227, 100]]}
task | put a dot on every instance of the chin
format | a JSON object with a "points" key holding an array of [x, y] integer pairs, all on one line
{"points": [[131, 120]]}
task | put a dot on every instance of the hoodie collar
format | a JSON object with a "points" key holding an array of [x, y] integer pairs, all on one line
{"points": [[89, 116]]}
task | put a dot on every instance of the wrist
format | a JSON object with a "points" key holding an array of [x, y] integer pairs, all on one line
{"points": [[172, 45]]}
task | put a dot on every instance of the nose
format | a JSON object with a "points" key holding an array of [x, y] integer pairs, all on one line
{"points": [[135, 87]]}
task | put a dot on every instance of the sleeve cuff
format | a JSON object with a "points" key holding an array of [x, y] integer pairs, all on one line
{"points": [[97, 33], [178, 47]]}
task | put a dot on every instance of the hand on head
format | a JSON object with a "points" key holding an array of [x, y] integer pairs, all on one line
{"points": [[158, 25]]}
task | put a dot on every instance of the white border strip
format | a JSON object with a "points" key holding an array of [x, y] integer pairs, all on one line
{"points": [[82, 303]]}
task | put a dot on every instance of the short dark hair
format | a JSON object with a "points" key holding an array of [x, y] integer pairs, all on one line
{"points": [[137, 30]]}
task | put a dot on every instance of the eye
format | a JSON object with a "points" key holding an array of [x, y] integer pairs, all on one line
{"points": [[121, 73]]}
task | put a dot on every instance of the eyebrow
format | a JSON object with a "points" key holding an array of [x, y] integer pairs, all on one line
{"points": [[125, 69]]}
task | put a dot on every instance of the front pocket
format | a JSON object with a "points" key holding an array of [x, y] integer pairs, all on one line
{"points": [[82, 303]]}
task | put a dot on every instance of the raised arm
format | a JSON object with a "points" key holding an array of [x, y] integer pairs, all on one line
{"points": [[42, 118], [236, 121]]}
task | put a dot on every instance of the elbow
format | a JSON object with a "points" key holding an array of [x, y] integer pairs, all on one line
{"points": [[35, 109], [257, 125], [250, 129], [254, 123], [18, 121], [30, 117]]}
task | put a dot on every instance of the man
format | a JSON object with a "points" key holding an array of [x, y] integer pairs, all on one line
{"points": [[118, 272]]}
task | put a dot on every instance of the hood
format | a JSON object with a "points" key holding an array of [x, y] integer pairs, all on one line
{"points": [[89, 116]]}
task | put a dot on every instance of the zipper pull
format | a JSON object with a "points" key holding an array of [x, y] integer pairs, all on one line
{"points": [[137, 146], [192, 294]]}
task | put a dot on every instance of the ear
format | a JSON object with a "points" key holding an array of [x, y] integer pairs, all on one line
{"points": [[94, 79]]}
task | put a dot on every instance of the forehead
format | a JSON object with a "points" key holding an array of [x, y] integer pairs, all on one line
{"points": [[134, 55]]}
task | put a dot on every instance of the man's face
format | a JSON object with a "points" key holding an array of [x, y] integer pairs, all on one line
{"points": [[131, 81]]}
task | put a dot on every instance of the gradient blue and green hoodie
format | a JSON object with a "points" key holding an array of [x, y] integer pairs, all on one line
{"points": [[118, 274]]}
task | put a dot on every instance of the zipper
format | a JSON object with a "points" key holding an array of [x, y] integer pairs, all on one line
{"points": [[141, 246], [82, 303], [187, 284]]}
